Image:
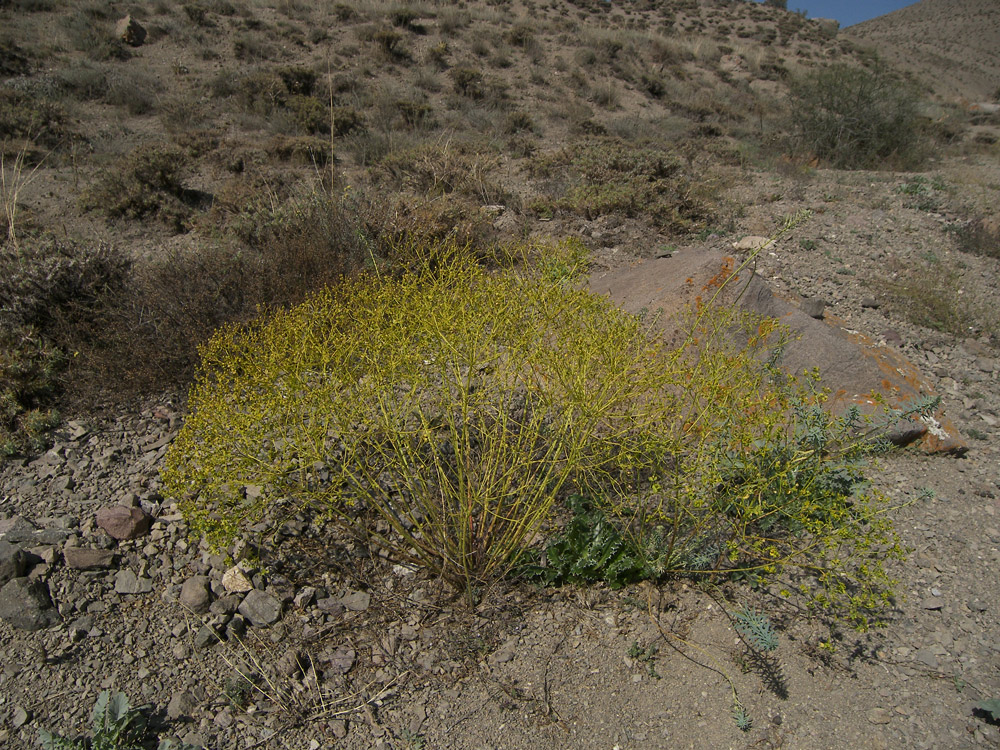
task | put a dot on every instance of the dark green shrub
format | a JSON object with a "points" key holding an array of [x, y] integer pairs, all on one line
{"points": [[404, 18], [13, 60], [856, 118]]}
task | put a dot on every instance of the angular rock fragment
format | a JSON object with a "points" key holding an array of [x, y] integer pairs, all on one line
{"points": [[26, 604], [13, 562], [260, 608], [196, 594], [83, 558], [123, 523]]}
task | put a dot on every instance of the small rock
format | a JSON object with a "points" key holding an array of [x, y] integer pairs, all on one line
{"points": [[235, 581], [20, 717], [331, 606], [814, 308], [751, 242], [879, 716], [870, 303], [236, 628], [83, 558], [342, 660], [205, 637], [932, 602], [17, 529], [62, 483], [182, 705], [13, 562], [926, 656], [120, 522], [977, 606], [196, 594], [80, 628], [260, 608], [304, 597], [357, 601], [290, 663], [127, 582], [26, 604], [225, 605], [338, 728]]}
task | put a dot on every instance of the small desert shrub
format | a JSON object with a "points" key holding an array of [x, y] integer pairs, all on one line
{"points": [[469, 411], [468, 82], [145, 183], [856, 118], [143, 334], [438, 55], [253, 47], [442, 413], [49, 293], [435, 169], [608, 176], [979, 236], [929, 295], [13, 60], [135, 91], [31, 117], [390, 43]]}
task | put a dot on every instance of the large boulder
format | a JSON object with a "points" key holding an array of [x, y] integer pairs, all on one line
{"points": [[130, 31], [852, 366]]}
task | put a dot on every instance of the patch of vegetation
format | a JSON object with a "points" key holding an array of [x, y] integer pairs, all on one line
{"points": [[26, 116], [147, 182], [979, 236], [454, 427], [929, 294], [48, 295], [612, 177], [856, 118], [115, 725]]}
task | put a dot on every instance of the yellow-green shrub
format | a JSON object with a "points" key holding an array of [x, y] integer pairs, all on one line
{"points": [[454, 403], [456, 406]]}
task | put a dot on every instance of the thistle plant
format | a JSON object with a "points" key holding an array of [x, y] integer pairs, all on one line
{"points": [[756, 629]]}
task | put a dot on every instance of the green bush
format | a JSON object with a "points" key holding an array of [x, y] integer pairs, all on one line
{"points": [[441, 414], [856, 118]]}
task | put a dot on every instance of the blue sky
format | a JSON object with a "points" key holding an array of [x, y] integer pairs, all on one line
{"points": [[848, 12]]}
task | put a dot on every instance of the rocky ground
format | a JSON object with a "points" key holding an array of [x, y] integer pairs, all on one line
{"points": [[107, 591]]}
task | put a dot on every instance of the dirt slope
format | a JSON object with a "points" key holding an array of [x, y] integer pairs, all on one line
{"points": [[953, 45]]}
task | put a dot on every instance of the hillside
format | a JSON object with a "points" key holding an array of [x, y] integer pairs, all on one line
{"points": [[952, 45], [220, 158]]}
